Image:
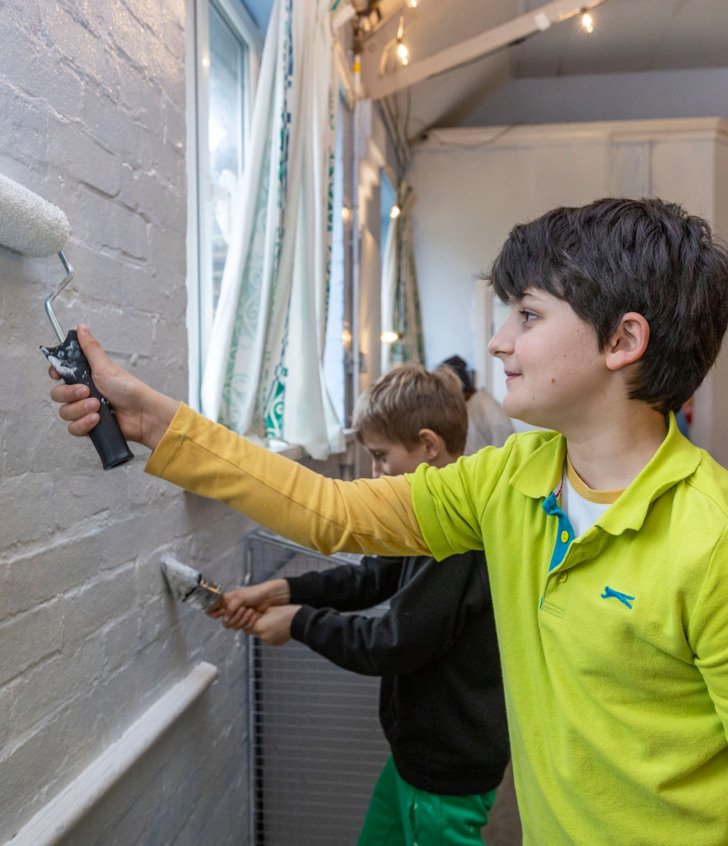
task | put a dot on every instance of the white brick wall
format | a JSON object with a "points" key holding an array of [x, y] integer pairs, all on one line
{"points": [[92, 101]]}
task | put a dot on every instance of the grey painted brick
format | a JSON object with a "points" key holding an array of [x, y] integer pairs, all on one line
{"points": [[105, 120], [101, 640], [21, 525], [40, 74], [24, 15], [105, 224], [21, 794], [89, 608], [175, 126], [125, 34], [48, 688], [157, 200], [40, 576], [28, 638], [72, 149], [141, 100], [26, 125], [74, 37]]}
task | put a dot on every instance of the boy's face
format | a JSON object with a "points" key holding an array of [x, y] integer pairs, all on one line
{"points": [[391, 458], [552, 361]]}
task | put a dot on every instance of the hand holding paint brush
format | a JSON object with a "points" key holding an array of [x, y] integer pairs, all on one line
{"points": [[244, 605]]}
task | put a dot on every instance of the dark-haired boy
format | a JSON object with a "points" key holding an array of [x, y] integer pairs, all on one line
{"points": [[441, 697], [606, 539]]}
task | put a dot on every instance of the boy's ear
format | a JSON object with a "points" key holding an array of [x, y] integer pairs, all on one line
{"points": [[628, 342], [432, 443]]}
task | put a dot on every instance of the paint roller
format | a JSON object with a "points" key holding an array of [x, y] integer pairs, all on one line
{"points": [[31, 226]]}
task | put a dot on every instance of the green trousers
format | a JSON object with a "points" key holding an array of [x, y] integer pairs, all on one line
{"points": [[401, 815]]}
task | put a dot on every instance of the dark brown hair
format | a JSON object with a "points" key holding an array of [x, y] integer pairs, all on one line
{"points": [[616, 255]]}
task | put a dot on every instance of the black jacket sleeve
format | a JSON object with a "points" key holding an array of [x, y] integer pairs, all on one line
{"points": [[424, 619], [350, 587]]}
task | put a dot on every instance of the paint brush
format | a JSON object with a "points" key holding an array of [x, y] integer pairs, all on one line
{"points": [[191, 587]]}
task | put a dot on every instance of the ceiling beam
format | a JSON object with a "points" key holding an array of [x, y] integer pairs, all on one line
{"points": [[376, 87]]}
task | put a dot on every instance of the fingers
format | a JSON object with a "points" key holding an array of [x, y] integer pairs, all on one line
{"points": [[233, 600], [92, 349], [243, 618], [77, 408], [64, 393]]}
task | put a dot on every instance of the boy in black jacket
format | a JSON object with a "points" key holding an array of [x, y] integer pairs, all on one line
{"points": [[441, 699]]}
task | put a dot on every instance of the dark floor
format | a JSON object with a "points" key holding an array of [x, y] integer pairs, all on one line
{"points": [[504, 825]]}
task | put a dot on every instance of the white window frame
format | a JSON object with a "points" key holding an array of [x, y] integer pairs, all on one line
{"points": [[199, 297]]}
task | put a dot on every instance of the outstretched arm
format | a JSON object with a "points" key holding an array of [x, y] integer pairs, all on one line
{"points": [[367, 515], [425, 618]]}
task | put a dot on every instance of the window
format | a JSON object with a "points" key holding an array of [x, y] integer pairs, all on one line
{"points": [[223, 53], [338, 372]]}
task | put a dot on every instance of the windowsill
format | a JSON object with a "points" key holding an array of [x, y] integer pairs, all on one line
{"points": [[297, 453]]}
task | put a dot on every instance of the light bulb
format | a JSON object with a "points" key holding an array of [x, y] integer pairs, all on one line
{"points": [[412, 4], [345, 214], [402, 53], [395, 212], [389, 336], [587, 22]]}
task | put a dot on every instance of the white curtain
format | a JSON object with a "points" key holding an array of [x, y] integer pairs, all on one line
{"points": [[263, 373], [400, 293]]}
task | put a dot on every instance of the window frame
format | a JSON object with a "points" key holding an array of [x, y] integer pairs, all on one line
{"points": [[199, 311]]}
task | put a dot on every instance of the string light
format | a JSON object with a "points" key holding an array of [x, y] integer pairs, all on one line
{"points": [[587, 22], [402, 49], [389, 336], [412, 4], [346, 214], [395, 212]]}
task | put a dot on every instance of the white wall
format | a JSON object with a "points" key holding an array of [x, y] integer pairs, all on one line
{"points": [[473, 185], [613, 96], [92, 100]]}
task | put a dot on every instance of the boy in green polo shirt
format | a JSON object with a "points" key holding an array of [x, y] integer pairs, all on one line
{"points": [[607, 538]]}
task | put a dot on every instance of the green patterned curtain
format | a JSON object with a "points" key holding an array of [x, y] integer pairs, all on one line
{"points": [[400, 294], [263, 348]]}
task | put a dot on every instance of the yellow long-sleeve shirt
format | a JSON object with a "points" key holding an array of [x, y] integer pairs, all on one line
{"points": [[373, 516]]}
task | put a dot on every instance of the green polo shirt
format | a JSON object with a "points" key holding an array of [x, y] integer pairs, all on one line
{"points": [[615, 662]]}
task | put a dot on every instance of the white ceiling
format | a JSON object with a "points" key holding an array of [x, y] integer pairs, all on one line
{"points": [[629, 36]]}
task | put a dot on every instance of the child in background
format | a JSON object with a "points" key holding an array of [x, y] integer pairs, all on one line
{"points": [[606, 538], [488, 424], [441, 698]]}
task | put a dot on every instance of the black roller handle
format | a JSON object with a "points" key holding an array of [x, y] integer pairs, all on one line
{"points": [[69, 360]]}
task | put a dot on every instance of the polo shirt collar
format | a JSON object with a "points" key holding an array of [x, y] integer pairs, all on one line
{"points": [[675, 459]]}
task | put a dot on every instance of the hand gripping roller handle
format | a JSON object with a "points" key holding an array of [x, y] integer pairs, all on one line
{"points": [[31, 226], [70, 362]]}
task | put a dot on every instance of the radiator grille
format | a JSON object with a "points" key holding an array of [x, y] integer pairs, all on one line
{"points": [[316, 744]]}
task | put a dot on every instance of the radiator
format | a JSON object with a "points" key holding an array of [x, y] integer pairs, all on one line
{"points": [[316, 744]]}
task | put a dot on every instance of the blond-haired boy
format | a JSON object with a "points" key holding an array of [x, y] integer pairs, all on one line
{"points": [[441, 698]]}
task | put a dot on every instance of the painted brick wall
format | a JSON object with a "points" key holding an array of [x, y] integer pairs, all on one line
{"points": [[92, 117]]}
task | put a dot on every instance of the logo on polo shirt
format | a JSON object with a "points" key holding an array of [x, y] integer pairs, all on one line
{"points": [[624, 598]]}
